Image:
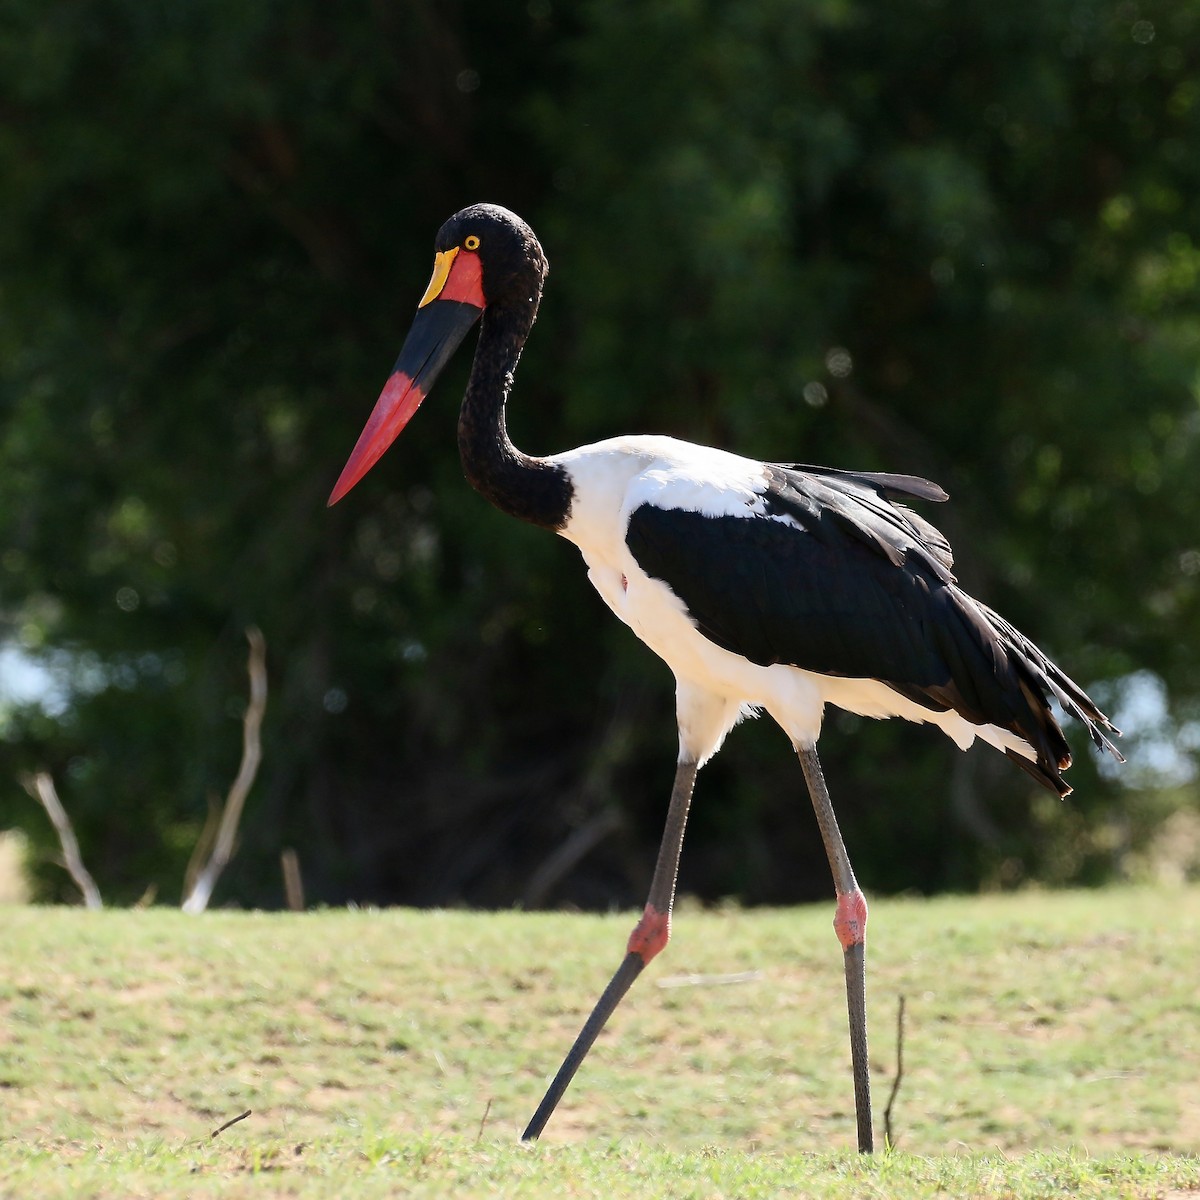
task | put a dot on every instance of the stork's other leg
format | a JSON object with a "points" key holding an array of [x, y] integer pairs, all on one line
{"points": [[648, 938], [850, 924]]}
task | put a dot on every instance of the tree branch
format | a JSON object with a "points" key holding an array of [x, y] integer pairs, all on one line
{"points": [[41, 788], [231, 815], [578, 844], [293, 884]]}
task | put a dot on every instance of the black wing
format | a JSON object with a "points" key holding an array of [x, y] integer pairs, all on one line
{"points": [[844, 582]]}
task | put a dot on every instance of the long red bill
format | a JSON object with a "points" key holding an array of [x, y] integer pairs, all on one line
{"points": [[436, 332]]}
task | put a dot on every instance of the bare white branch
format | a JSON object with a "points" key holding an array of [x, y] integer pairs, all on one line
{"points": [[231, 815], [41, 788]]}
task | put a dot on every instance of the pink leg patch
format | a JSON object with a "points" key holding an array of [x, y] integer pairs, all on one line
{"points": [[650, 934], [850, 920]]}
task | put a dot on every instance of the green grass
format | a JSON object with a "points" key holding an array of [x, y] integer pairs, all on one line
{"points": [[1052, 1047]]}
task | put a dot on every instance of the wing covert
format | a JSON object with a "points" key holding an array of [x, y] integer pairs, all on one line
{"points": [[808, 587]]}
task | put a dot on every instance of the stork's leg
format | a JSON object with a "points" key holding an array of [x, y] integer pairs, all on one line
{"points": [[850, 924], [648, 938]]}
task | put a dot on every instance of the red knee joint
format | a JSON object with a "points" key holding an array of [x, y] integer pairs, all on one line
{"points": [[650, 934], [850, 920]]}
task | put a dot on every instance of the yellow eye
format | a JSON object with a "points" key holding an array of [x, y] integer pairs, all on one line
{"points": [[472, 243]]}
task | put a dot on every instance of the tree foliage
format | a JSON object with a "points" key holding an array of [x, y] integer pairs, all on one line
{"points": [[960, 241]]}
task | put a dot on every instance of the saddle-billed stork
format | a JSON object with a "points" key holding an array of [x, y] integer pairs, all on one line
{"points": [[762, 586]]}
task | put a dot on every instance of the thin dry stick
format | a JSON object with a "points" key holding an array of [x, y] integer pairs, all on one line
{"points": [[197, 900], [231, 1121], [483, 1120], [293, 885], [887, 1112], [41, 788], [678, 981]]}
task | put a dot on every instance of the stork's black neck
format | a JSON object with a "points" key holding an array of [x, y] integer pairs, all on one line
{"points": [[530, 488]]}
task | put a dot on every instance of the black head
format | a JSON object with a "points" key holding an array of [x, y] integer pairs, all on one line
{"points": [[486, 259], [514, 265]]}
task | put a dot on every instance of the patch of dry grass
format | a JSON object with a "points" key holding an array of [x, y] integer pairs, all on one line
{"points": [[1037, 1024]]}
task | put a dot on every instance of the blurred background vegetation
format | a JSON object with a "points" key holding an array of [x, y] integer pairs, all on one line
{"points": [[958, 240]]}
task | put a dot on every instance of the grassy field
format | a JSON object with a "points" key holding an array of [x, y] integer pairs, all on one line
{"points": [[1052, 1047]]}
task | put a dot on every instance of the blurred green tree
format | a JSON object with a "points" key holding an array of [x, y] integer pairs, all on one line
{"points": [[960, 241]]}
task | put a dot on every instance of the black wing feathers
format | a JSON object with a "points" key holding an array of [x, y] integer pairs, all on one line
{"points": [[840, 581], [886, 483]]}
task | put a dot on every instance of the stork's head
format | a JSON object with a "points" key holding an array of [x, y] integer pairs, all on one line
{"points": [[484, 256]]}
